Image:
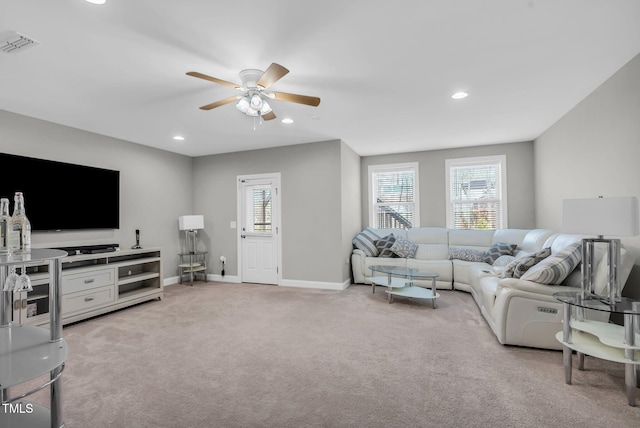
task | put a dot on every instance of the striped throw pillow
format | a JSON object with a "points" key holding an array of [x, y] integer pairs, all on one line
{"points": [[365, 241], [555, 268]]}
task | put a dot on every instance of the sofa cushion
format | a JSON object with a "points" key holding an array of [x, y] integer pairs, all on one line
{"points": [[384, 245], [404, 248], [365, 241], [560, 241], [470, 238], [498, 249], [428, 235], [432, 252], [466, 254], [555, 268], [535, 239]]}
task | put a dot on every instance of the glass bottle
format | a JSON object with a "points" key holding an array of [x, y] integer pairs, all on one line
{"points": [[4, 224], [19, 230]]}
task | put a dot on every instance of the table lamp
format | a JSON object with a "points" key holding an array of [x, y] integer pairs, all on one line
{"points": [[191, 224], [601, 216]]}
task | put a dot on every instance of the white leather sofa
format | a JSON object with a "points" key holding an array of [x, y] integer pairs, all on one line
{"points": [[519, 312]]}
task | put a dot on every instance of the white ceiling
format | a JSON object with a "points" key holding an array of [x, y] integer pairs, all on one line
{"points": [[385, 70]]}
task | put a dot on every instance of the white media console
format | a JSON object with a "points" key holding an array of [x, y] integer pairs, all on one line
{"points": [[93, 284]]}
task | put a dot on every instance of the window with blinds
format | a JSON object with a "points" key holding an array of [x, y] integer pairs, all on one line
{"points": [[393, 191], [261, 203], [476, 193]]}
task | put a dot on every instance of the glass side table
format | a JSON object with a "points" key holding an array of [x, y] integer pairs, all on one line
{"points": [[599, 339], [193, 263]]}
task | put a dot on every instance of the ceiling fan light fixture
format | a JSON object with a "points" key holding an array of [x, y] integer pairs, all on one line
{"points": [[251, 107], [243, 104], [256, 102], [266, 108]]}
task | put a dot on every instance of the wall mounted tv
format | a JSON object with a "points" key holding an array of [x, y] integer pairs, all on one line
{"points": [[62, 196]]}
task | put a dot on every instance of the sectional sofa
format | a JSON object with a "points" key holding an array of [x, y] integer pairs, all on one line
{"points": [[511, 273]]}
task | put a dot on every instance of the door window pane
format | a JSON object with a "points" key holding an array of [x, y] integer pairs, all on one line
{"points": [[260, 201]]}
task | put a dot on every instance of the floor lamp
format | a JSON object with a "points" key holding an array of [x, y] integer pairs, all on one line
{"points": [[601, 216], [191, 224]]}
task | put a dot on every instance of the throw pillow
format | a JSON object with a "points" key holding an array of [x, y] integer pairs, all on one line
{"points": [[503, 261], [384, 246], [527, 262], [509, 269], [498, 249], [555, 268], [404, 248], [365, 241], [466, 254]]}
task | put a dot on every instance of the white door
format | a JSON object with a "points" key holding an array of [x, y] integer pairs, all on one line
{"points": [[259, 229]]}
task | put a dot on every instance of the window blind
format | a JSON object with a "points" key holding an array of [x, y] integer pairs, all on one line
{"points": [[476, 196], [261, 210], [394, 198]]}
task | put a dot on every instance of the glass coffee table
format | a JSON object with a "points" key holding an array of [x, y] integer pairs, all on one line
{"points": [[399, 282]]}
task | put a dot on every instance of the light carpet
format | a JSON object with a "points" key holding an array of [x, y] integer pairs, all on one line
{"points": [[247, 355]]}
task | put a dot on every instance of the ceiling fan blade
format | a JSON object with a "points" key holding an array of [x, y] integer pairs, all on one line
{"points": [[294, 98], [219, 103], [269, 116], [212, 79], [274, 73]]}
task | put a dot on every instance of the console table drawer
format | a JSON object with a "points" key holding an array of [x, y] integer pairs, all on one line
{"points": [[87, 281], [87, 300]]}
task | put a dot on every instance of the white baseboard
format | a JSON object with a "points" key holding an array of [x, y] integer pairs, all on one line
{"points": [[170, 281], [226, 278], [315, 284], [283, 283]]}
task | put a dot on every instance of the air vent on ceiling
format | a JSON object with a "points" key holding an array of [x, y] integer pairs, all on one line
{"points": [[16, 42]]}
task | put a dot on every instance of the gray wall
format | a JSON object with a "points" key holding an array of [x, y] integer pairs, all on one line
{"points": [[351, 207], [311, 199], [593, 150], [520, 181], [154, 184]]}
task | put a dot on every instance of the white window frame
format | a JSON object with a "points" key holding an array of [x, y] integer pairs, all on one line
{"points": [[501, 161], [373, 169]]}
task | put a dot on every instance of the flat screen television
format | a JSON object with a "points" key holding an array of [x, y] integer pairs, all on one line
{"points": [[62, 196]]}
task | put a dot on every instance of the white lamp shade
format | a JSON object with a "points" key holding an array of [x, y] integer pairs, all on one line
{"points": [[191, 222], [601, 216]]}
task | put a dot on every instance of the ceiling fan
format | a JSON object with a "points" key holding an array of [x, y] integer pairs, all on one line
{"points": [[255, 97]]}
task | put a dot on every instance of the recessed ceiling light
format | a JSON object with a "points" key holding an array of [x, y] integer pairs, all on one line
{"points": [[177, 137], [287, 120], [459, 95], [97, 1]]}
